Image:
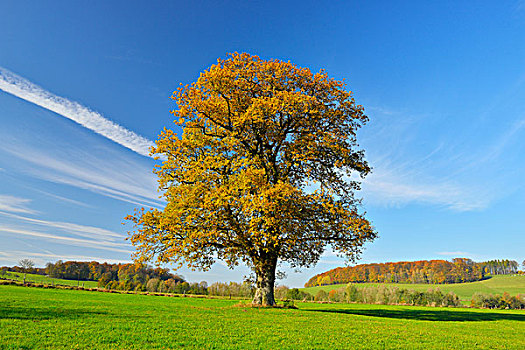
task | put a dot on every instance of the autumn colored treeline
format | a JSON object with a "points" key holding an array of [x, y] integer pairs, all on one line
{"points": [[116, 276], [160, 286], [95, 271], [133, 277], [424, 271]]}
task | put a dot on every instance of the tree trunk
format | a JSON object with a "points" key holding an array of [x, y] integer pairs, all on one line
{"points": [[265, 283]]}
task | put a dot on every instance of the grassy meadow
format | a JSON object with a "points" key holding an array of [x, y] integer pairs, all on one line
{"points": [[19, 276], [513, 284], [34, 318]]}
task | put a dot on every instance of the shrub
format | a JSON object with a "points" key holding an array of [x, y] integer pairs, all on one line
{"points": [[351, 293], [333, 295], [296, 294], [321, 296], [505, 301], [450, 299], [388, 295], [161, 287], [152, 284], [288, 304], [112, 285], [281, 292]]}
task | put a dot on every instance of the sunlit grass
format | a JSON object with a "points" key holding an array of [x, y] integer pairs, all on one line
{"points": [[19, 276], [32, 318], [512, 284]]}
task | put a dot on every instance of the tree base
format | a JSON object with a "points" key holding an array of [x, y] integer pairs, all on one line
{"points": [[264, 297]]}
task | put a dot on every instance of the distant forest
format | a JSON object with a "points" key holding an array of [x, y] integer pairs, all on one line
{"points": [[133, 277], [116, 276], [146, 278], [425, 271]]}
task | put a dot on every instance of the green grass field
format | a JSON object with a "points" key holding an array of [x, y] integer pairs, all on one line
{"points": [[513, 284], [34, 318], [47, 280]]}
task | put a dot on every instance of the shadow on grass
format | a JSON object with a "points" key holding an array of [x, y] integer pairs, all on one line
{"points": [[38, 314], [429, 315]]}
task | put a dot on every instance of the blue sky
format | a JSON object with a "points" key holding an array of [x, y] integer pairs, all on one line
{"points": [[443, 85]]}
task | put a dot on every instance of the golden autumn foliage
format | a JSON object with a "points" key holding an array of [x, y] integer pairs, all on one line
{"points": [[460, 270], [260, 174]]}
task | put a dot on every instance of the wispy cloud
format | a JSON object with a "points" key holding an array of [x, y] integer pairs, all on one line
{"points": [[415, 160], [115, 178], [519, 7], [26, 90], [503, 141], [15, 204], [92, 232], [395, 186], [17, 227], [63, 199], [78, 242]]}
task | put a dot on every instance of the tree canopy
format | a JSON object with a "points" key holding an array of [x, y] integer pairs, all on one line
{"points": [[26, 264], [500, 266], [262, 173]]}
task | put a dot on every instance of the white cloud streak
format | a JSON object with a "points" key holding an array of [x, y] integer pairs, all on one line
{"points": [[15, 204], [81, 230], [63, 199], [79, 242], [415, 160], [398, 187], [118, 179], [26, 90]]}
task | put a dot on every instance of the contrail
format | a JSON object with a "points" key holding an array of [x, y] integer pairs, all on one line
{"points": [[26, 90]]}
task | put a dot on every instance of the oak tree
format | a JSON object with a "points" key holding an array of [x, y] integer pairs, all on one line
{"points": [[262, 173]]}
